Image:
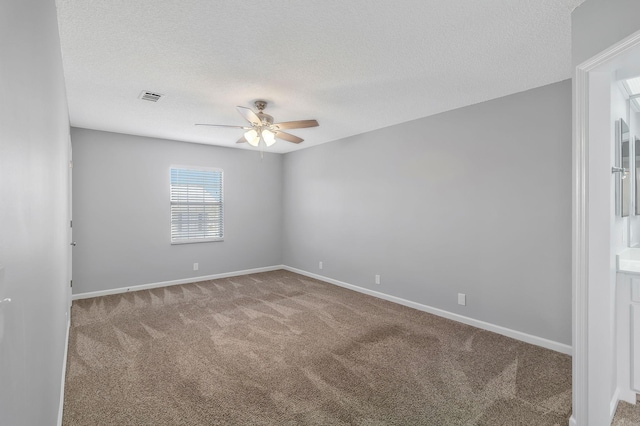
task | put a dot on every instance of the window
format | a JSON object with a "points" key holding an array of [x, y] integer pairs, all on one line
{"points": [[632, 86], [196, 205]]}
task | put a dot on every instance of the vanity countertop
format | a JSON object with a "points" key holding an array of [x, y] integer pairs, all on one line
{"points": [[628, 260]]}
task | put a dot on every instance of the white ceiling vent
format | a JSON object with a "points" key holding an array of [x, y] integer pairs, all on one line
{"points": [[150, 96]]}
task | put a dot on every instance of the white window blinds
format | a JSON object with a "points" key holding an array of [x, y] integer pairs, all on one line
{"points": [[196, 205]]}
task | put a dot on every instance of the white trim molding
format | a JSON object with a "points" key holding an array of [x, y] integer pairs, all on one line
{"points": [[580, 248], [613, 404], [174, 282], [518, 335], [64, 367]]}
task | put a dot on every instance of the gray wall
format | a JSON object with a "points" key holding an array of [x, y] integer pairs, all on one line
{"points": [[34, 245], [475, 200], [121, 211], [598, 24]]}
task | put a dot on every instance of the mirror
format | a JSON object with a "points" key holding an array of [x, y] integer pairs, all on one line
{"points": [[636, 147], [624, 184]]}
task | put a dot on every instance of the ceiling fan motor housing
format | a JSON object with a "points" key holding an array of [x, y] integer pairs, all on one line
{"points": [[266, 119]]}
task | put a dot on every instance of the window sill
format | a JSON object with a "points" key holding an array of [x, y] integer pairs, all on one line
{"points": [[194, 241]]}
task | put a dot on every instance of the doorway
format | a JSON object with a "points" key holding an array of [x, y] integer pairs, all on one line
{"points": [[597, 236]]}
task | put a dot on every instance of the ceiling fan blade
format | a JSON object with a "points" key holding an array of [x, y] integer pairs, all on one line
{"points": [[299, 124], [222, 125], [241, 140], [249, 115], [288, 137]]}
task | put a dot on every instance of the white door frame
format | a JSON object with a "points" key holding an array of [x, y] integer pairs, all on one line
{"points": [[583, 231], [70, 230]]}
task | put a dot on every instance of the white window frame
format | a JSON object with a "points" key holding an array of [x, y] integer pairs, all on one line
{"points": [[172, 203]]}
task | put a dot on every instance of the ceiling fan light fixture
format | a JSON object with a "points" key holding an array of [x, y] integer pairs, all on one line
{"points": [[252, 137], [269, 137]]}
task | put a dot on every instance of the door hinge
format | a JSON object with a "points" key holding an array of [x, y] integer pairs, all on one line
{"points": [[71, 283]]}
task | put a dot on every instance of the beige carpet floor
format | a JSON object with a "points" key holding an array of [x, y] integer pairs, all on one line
{"points": [[279, 348], [627, 414]]}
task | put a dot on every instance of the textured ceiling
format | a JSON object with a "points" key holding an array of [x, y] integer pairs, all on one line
{"points": [[355, 65]]}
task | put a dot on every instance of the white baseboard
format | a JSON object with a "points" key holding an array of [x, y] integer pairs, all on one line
{"points": [[627, 395], [174, 282], [613, 404], [64, 368], [518, 335]]}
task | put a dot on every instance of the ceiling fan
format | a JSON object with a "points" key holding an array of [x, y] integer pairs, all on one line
{"points": [[263, 128]]}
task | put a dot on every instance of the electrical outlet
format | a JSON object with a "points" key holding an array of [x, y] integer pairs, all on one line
{"points": [[462, 299], [377, 279], [195, 266], [320, 265]]}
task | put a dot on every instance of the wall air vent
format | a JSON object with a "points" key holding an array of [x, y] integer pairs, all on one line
{"points": [[150, 96]]}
